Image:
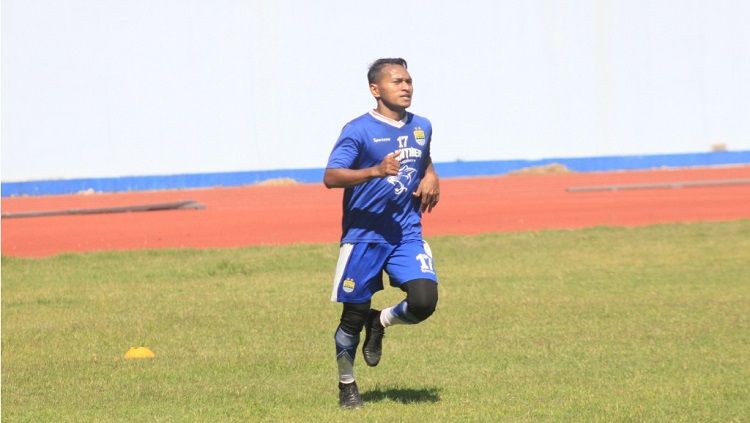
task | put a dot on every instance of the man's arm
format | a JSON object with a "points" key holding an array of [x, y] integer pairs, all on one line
{"points": [[429, 188], [345, 178]]}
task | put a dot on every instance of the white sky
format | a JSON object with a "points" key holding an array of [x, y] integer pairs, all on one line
{"points": [[96, 88]]}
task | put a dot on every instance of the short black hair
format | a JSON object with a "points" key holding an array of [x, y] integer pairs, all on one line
{"points": [[374, 72]]}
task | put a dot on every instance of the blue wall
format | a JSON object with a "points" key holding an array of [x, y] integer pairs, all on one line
{"points": [[446, 170]]}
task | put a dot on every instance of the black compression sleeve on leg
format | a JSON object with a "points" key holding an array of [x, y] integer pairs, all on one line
{"points": [[421, 297], [353, 317]]}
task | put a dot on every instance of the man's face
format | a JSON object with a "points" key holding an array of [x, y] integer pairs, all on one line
{"points": [[393, 87]]}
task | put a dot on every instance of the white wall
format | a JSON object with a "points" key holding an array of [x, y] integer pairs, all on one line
{"points": [[109, 87]]}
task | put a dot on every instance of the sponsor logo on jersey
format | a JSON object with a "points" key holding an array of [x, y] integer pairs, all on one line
{"points": [[419, 136], [408, 153], [384, 139], [349, 285]]}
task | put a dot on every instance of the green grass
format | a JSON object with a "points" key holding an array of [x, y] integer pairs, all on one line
{"points": [[602, 324]]}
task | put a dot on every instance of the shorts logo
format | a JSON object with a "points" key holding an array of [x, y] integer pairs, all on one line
{"points": [[419, 136], [425, 259], [349, 285]]}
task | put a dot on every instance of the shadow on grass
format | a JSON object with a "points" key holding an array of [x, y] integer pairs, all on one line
{"points": [[402, 395]]}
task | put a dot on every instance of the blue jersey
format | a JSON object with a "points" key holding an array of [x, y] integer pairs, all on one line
{"points": [[383, 209]]}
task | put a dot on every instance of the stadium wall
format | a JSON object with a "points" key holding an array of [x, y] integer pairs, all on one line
{"points": [[446, 170]]}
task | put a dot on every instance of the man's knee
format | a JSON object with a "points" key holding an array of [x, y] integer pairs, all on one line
{"points": [[353, 317], [421, 298]]}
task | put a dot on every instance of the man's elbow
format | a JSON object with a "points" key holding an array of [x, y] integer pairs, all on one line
{"points": [[329, 180]]}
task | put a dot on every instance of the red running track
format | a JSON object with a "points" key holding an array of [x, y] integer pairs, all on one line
{"points": [[257, 215]]}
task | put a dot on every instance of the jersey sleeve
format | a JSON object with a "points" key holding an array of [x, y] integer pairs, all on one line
{"points": [[346, 150], [427, 127], [429, 140]]}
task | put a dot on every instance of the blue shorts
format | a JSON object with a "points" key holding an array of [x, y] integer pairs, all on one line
{"points": [[359, 272]]}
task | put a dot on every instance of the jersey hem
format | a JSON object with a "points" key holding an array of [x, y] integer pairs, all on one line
{"points": [[380, 240]]}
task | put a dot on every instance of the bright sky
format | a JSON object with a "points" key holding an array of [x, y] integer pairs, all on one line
{"points": [[142, 87]]}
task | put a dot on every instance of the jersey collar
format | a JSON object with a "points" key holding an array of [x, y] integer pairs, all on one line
{"points": [[389, 121]]}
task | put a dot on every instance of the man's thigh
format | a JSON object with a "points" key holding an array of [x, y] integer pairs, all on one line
{"points": [[410, 260], [359, 271]]}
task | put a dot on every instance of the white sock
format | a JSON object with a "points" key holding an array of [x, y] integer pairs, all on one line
{"points": [[396, 315]]}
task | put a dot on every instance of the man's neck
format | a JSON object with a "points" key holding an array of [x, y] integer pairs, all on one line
{"points": [[396, 115]]}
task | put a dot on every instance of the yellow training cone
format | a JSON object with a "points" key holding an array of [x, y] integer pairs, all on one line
{"points": [[139, 352]]}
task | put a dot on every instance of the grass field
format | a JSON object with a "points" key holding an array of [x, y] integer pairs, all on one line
{"points": [[602, 324]]}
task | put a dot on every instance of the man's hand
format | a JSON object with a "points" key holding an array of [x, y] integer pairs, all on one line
{"points": [[429, 191], [389, 166], [345, 178]]}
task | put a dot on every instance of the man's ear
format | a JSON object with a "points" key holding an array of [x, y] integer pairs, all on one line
{"points": [[375, 90]]}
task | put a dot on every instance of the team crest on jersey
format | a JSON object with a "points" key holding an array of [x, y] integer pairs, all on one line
{"points": [[349, 285], [419, 136]]}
